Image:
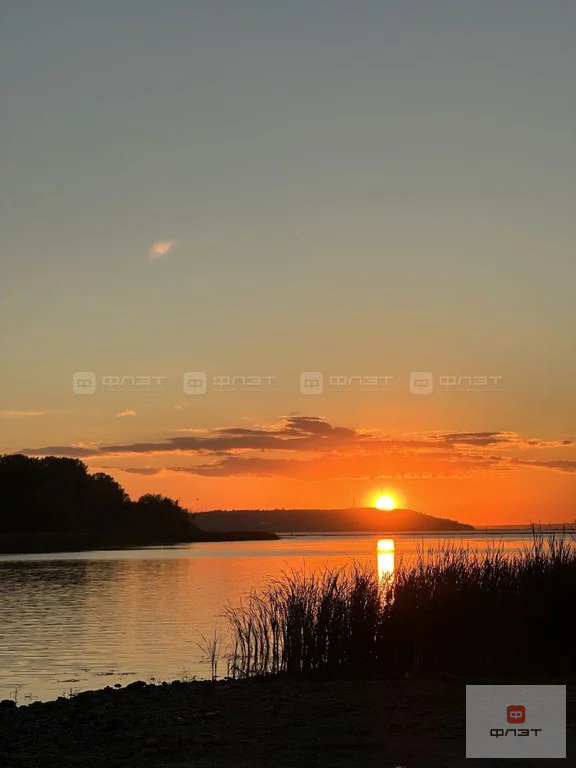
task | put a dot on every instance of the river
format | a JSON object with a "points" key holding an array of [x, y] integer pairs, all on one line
{"points": [[83, 620]]}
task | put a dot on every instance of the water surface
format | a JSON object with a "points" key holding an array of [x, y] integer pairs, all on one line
{"points": [[82, 620]]}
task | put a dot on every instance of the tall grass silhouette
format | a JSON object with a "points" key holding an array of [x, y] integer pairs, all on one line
{"points": [[452, 610]]}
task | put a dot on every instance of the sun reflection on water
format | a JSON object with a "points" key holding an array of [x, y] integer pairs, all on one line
{"points": [[385, 558]]}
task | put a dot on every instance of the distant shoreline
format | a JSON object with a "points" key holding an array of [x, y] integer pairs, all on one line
{"points": [[50, 542], [476, 532], [350, 520]]}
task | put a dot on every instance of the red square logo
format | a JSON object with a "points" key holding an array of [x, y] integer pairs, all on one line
{"points": [[516, 713]]}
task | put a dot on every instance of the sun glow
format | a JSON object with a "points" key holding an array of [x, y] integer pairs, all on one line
{"points": [[385, 502]]}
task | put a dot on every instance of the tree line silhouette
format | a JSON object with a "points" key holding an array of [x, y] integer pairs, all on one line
{"points": [[56, 494]]}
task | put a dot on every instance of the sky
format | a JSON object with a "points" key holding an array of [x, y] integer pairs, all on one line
{"points": [[264, 254]]}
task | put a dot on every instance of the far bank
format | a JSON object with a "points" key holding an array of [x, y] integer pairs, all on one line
{"points": [[53, 541]]}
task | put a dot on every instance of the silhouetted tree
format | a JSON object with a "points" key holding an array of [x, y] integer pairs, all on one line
{"points": [[57, 494], [155, 510]]}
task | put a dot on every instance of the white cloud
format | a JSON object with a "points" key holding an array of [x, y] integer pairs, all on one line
{"points": [[14, 413], [125, 413], [160, 249]]}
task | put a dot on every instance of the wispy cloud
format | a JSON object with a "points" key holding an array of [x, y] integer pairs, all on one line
{"points": [[310, 448], [160, 249], [559, 466], [18, 414], [139, 470], [125, 413]]}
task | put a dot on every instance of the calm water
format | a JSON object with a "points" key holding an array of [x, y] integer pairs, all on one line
{"points": [[85, 620]]}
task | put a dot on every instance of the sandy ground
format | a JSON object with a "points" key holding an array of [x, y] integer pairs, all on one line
{"points": [[251, 724]]}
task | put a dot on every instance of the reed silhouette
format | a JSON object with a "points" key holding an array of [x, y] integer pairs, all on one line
{"points": [[452, 612]]}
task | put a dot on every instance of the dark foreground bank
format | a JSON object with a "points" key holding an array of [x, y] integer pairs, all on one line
{"points": [[253, 723], [40, 543]]}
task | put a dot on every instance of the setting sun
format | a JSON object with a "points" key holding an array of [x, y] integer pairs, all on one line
{"points": [[385, 502]]}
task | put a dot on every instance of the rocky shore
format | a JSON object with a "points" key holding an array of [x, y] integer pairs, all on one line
{"points": [[271, 723]]}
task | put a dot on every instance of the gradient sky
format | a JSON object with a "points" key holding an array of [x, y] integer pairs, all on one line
{"points": [[264, 189]]}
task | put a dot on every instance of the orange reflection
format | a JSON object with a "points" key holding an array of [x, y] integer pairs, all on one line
{"points": [[385, 558]]}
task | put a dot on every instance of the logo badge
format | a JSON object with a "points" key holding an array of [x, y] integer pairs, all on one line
{"points": [[421, 383], [84, 383], [516, 713], [195, 383], [311, 383], [497, 729]]}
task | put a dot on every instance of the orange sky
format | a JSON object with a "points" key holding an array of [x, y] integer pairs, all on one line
{"points": [[311, 202], [516, 497], [510, 497], [479, 477]]}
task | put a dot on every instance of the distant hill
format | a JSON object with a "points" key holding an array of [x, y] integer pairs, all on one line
{"points": [[326, 520]]}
